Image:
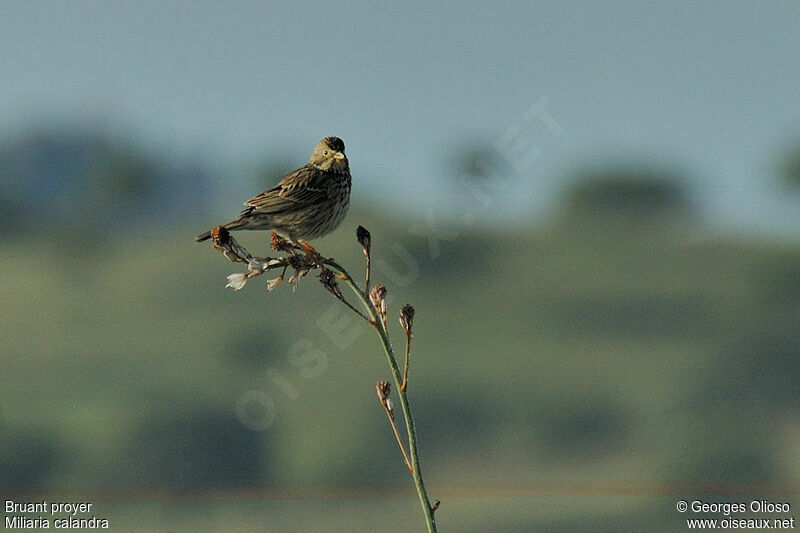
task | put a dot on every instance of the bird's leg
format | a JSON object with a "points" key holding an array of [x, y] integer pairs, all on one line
{"points": [[311, 253], [308, 247]]}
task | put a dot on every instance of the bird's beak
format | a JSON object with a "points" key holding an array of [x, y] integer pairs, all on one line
{"points": [[338, 156]]}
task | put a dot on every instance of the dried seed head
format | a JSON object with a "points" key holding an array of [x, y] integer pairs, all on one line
{"points": [[364, 239], [328, 280], [300, 262], [407, 319], [279, 244], [222, 240], [219, 236], [383, 389], [378, 298]]}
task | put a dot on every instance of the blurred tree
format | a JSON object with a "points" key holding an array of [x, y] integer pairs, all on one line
{"points": [[476, 160], [790, 168], [73, 179], [587, 425], [121, 174], [58, 177], [626, 190], [38, 169], [9, 207], [196, 447], [760, 367], [28, 457], [478, 170]]}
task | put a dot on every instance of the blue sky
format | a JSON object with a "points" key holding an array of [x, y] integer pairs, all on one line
{"points": [[708, 88]]}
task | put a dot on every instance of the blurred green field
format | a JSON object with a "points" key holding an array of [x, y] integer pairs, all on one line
{"points": [[551, 369]]}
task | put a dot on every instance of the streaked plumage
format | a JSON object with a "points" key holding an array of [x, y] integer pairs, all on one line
{"points": [[306, 204]]}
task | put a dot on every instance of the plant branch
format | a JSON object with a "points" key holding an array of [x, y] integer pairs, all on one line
{"points": [[378, 324], [304, 259], [328, 280], [407, 322], [383, 388]]}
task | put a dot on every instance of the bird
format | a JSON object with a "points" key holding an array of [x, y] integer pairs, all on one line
{"points": [[307, 203]]}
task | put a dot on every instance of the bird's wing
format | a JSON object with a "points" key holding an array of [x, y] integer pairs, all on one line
{"points": [[303, 187]]}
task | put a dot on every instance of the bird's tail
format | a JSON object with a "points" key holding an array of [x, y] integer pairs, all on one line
{"points": [[229, 226]]}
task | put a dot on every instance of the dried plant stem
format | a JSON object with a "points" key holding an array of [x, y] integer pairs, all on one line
{"points": [[399, 441], [404, 384], [369, 268], [428, 510]]}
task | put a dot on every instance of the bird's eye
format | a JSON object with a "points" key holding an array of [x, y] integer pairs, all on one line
{"points": [[325, 152]]}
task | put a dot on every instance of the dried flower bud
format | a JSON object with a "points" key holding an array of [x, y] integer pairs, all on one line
{"points": [[407, 319], [222, 240], [328, 280], [279, 244], [220, 236], [300, 262], [364, 239], [383, 389], [378, 298], [271, 284]]}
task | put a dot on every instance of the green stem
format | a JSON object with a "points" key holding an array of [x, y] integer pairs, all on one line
{"points": [[405, 366], [398, 380]]}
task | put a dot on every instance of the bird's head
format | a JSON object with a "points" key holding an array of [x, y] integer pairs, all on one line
{"points": [[329, 155]]}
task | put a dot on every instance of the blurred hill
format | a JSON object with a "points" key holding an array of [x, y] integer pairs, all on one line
{"points": [[74, 177], [620, 344], [576, 353], [790, 167]]}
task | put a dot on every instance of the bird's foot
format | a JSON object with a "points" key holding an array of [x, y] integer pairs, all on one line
{"points": [[308, 247], [311, 252]]}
